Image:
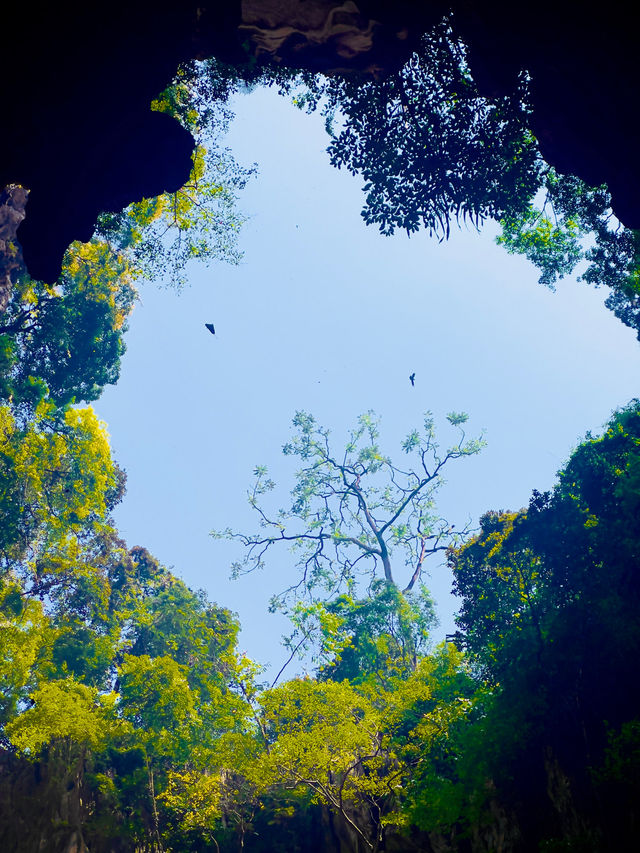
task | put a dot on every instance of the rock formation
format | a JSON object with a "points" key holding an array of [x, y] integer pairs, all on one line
{"points": [[80, 77], [13, 200]]}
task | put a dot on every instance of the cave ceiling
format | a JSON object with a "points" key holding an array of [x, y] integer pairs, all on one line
{"points": [[78, 133]]}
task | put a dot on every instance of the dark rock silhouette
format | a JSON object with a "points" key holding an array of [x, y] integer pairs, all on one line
{"points": [[78, 133]]}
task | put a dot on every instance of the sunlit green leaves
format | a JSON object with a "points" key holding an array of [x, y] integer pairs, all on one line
{"points": [[574, 225], [62, 709], [66, 341], [57, 475], [198, 222], [350, 510]]}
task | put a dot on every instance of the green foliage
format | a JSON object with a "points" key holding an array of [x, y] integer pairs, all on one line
{"points": [[567, 559], [108, 662], [429, 147], [384, 635], [319, 732], [62, 709], [352, 515], [126, 686], [57, 478], [499, 593], [581, 229], [351, 738], [200, 221], [549, 609], [22, 640], [357, 748], [554, 249], [433, 731], [156, 699], [351, 512], [65, 341]]}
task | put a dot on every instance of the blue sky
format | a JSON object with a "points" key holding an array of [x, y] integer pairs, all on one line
{"points": [[326, 315]]}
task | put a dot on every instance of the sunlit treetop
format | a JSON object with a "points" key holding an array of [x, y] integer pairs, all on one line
{"points": [[64, 342], [573, 228], [353, 509], [356, 521], [200, 221], [57, 479]]}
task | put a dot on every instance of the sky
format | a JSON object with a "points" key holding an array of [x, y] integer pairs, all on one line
{"points": [[326, 315]]}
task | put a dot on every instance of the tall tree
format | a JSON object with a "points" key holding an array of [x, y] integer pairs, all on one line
{"points": [[64, 342], [353, 514], [549, 604]]}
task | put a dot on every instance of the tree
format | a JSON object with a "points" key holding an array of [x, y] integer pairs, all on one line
{"points": [[566, 563], [431, 151], [554, 238], [64, 342], [324, 738], [352, 514], [113, 673], [504, 582], [200, 221], [22, 643], [62, 709], [375, 639], [429, 147], [355, 748], [549, 614], [58, 478]]}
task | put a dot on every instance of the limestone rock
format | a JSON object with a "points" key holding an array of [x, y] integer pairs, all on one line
{"points": [[13, 200]]}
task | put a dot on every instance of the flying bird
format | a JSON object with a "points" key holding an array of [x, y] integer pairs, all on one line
{"points": [[211, 328], [412, 379]]}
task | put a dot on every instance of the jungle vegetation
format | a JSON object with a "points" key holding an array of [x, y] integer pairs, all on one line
{"points": [[129, 719]]}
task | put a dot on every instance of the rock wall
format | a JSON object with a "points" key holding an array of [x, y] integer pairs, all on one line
{"points": [[13, 201], [78, 80]]}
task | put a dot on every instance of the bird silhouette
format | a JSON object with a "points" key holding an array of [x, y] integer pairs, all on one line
{"points": [[211, 328], [413, 379]]}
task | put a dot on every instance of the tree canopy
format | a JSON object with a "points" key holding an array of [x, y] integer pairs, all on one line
{"points": [[575, 225], [432, 151], [64, 342], [130, 720], [354, 517], [353, 509], [429, 147]]}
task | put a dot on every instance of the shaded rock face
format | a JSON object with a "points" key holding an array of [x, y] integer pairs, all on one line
{"points": [[13, 200], [41, 810], [123, 162], [332, 36], [77, 129], [583, 66], [78, 80]]}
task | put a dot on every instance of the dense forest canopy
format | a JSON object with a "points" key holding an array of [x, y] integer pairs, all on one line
{"points": [[153, 728], [128, 714]]}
